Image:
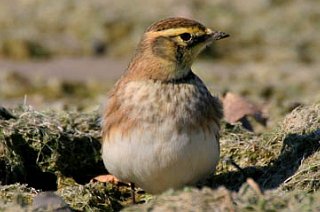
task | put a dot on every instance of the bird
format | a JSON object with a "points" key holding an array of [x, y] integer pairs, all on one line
{"points": [[160, 125]]}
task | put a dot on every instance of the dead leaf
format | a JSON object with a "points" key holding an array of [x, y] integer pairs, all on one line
{"points": [[237, 109]]}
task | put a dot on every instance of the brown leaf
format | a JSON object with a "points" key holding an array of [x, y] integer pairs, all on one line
{"points": [[237, 108]]}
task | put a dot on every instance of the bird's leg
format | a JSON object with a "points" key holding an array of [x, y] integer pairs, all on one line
{"points": [[133, 194]]}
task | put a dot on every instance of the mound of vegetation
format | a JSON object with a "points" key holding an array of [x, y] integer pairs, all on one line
{"points": [[60, 152]]}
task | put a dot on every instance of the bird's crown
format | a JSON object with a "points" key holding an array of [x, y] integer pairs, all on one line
{"points": [[174, 23]]}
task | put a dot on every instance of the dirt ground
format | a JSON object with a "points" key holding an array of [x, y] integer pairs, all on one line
{"points": [[77, 69]]}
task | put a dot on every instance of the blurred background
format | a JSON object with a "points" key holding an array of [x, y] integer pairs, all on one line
{"points": [[67, 54]]}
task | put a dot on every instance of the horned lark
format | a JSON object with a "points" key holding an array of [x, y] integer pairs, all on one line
{"points": [[161, 124]]}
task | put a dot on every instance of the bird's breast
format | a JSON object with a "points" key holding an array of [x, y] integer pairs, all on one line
{"points": [[187, 105], [156, 101]]}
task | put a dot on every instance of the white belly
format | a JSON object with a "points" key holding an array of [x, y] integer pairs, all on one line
{"points": [[157, 159]]}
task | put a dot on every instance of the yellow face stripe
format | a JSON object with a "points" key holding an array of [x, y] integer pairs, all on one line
{"points": [[177, 31]]}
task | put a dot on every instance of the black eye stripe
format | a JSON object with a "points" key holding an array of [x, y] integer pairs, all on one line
{"points": [[194, 39], [198, 39]]}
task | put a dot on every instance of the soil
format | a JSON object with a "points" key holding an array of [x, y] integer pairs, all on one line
{"points": [[75, 69]]}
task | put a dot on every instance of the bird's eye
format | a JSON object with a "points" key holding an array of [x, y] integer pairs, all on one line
{"points": [[185, 36]]}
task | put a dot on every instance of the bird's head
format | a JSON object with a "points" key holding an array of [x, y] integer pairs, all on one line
{"points": [[169, 47]]}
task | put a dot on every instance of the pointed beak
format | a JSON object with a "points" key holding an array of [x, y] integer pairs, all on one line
{"points": [[217, 35]]}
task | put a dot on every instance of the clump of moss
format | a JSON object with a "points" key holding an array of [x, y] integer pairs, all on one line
{"points": [[303, 120], [17, 192], [93, 197], [16, 196], [274, 158], [221, 199], [41, 144], [89, 197], [302, 126]]}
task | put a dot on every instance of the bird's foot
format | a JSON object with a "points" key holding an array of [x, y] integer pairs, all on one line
{"points": [[108, 178]]}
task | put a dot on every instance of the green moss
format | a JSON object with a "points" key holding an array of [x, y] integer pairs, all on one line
{"points": [[15, 196], [41, 143], [222, 199], [92, 197]]}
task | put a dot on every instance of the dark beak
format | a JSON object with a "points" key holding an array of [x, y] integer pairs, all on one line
{"points": [[219, 35]]}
